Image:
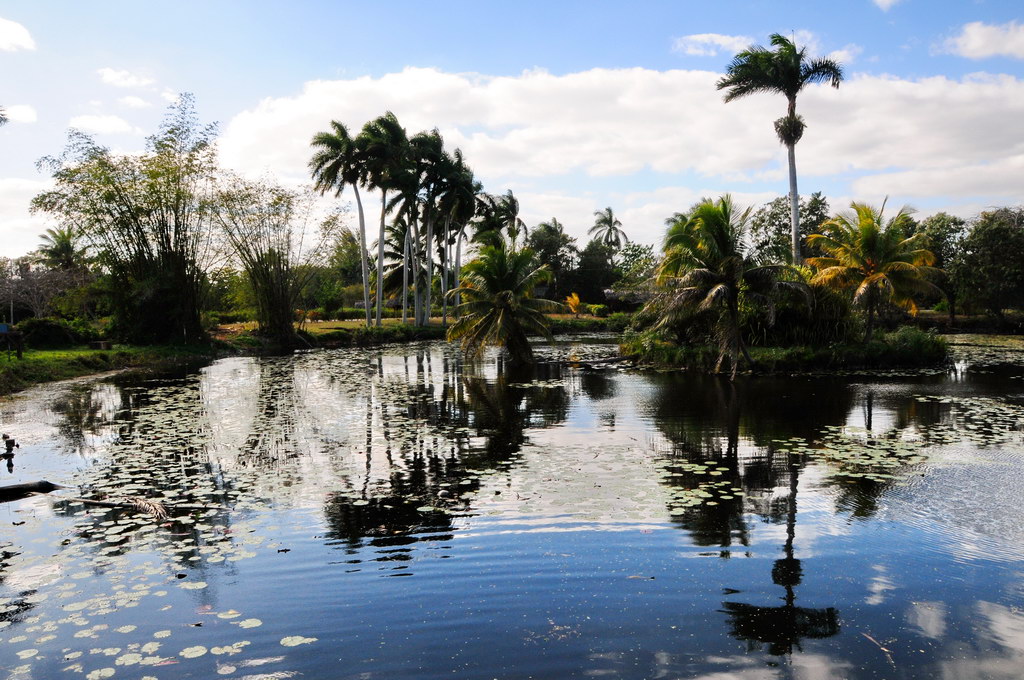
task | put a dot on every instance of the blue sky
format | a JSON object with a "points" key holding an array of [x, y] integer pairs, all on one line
{"points": [[574, 105]]}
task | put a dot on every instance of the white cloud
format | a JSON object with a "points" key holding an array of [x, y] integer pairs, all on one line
{"points": [[617, 122], [123, 78], [21, 113], [710, 44], [979, 40], [133, 102], [847, 54], [20, 228], [104, 125], [886, 5], [14, 36]]}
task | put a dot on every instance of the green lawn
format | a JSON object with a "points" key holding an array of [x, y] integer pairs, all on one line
{"points": [[39, 366]]}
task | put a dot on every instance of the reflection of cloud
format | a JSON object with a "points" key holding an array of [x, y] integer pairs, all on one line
{"points": [[879, 585], [819, 667], [929, 618], [1005, 625]]}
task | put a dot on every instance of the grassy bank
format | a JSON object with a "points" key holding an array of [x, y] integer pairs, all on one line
{"points": [[39, 366], [906, 347]]}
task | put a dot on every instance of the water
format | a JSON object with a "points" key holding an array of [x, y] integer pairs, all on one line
{"points": [[397, 513]]}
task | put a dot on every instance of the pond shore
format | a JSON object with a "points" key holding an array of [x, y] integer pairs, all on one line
{"points": [[906, 348]]}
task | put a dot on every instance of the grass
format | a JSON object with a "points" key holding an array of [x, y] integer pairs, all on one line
{"points": [[40, 366]]}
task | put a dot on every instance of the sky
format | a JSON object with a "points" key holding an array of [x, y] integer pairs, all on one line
{"points": [[575, 106]]}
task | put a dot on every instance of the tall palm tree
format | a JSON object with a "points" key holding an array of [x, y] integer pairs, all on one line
{"points": [[384, 148], [713, 270], [608, 229], [498, 307], [457, 205], [874, 257], [335, 164], [784, 70]]}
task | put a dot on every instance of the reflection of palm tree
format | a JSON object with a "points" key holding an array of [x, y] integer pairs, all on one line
{"points": [[782, 628]]}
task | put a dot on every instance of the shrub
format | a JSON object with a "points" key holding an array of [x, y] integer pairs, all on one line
{"points": [[600, 311], [47, 333]]}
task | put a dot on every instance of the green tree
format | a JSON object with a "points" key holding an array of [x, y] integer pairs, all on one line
{"points": [[384, 150], [989, 268], [269, 230], [770, 226], [712, 271], [554, 249], [498, 307], [61, 248], [595, 272], [875, 258], [337, 163], [608, 229], [147, 216], [784, 70], [943, 234]]}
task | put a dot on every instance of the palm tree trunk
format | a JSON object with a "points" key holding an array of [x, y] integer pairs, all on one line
{"points": [[429, 254], [380, 255], [794, 206], [871, 320], [445, 265], [405, 278], [363, 257], [458, 269]]}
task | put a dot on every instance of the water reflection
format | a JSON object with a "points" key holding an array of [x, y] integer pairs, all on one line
{"points": [[599, 515]]}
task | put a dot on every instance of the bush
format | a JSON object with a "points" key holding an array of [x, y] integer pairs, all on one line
{"points": [[599, 311], [47, 333], [619, 321]]}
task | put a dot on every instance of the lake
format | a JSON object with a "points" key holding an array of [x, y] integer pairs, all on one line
{"points": [[400, 513]]}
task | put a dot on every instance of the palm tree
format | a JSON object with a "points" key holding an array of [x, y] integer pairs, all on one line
{"points": [[713, 270], [457, 205], [607, 229], [784, 70], [874, 257], [498, 307], [59, 249], [336, 163], [383, 146]]}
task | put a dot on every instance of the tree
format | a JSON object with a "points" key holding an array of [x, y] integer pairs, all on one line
{"points": [[873, 257], [147, 216], [554, 249], [989, 268], [3, 116], [595, 271], [384, 148], [269, 229], [607, 229], [785, 70], [498, 307], [943, 234], [712, 269], [337, 163], [61, 249], [770, 226]]}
